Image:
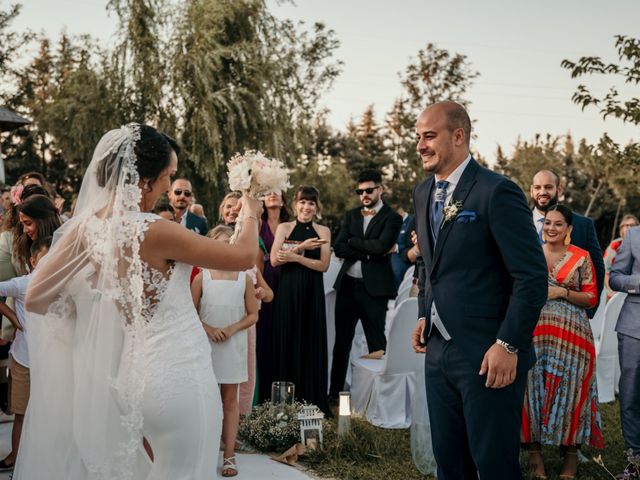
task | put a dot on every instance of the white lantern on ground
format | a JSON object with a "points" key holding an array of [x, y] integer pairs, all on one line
{"points": [[310, 418], [344, 413]]}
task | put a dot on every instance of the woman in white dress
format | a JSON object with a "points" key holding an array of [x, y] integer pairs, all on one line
{"points": [[227, 304], [118, 351]]}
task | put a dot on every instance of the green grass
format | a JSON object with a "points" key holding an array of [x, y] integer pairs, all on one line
{"points": [[370, 453]]}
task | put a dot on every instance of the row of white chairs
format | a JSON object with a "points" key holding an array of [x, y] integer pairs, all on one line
{"points": [[381, 390]]}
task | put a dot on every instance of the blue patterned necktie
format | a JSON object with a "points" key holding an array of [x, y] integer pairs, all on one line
{"points": [[437, 207], [540, 237]]}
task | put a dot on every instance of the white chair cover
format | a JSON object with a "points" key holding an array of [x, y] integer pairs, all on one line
{"points": [[331, 274], [382, 390], [403, 293], [409, 272], [421, 441], [329, 279], [598, 319], [607, 364]]}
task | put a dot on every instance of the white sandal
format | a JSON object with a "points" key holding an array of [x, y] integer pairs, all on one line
{"points": [[229, 464]]}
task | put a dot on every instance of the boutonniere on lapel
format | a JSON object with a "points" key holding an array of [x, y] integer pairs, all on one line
{"points": [[450, 212]]}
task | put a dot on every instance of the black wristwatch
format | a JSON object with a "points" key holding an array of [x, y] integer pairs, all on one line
{"points": [[509, 348]]}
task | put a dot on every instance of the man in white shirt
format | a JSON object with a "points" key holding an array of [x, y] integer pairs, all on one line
{"points": [[545, 191], [180, 196], [365, 282]]}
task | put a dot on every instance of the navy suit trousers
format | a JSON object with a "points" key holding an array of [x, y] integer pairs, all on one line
{"points": [[629, 352], [475, 429]]}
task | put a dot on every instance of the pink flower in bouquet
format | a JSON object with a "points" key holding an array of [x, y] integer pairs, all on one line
{"points": [[16, 194]]}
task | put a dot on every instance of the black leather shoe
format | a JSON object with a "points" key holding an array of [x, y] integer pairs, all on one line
{"points": [[4, 466]]}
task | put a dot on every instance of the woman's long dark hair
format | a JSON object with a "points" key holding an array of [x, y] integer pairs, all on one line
{"points": [[10, 220], [44, 213]]}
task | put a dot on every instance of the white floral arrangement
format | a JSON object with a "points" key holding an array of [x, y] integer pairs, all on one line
{"points": [[256, 174], [451, 212]]}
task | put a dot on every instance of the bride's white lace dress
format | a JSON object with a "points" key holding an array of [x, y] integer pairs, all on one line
{"points": [[181, 401], [179, 407], [117, 349]]}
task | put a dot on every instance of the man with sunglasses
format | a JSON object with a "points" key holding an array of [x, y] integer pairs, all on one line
{"points": [[180, 197], [365, 282]]}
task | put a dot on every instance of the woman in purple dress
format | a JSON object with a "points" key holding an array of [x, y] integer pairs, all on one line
{"points": [[274, 213]]}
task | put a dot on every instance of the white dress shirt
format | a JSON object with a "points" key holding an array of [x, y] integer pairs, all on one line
{"points": [[453, 180], [538, 220], [17, 288], [355, 270]]}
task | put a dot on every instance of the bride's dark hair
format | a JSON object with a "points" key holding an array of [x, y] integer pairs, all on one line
{"points": [[153, 154]]}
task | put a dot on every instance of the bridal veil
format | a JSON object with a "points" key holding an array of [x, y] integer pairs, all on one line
{"points": [[84, 419]]}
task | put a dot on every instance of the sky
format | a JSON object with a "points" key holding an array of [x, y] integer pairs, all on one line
{"points": [[516, 46]]}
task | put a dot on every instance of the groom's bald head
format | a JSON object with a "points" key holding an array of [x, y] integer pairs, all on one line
{"points": [[443, 132], [456, 117]]}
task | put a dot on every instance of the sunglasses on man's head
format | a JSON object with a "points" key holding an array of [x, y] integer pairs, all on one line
{"points": [[368, 191], [177, 192]]}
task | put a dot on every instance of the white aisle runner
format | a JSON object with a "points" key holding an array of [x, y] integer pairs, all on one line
{"points": [[251, 466]]}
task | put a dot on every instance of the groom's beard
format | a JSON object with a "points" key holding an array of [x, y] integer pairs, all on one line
{"points": [[550, 203]]}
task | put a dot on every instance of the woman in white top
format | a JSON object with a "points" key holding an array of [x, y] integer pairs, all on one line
{"points": [[227, 304]]}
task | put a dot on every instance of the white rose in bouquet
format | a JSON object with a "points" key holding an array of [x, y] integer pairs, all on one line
{"points": [[257, 175]]}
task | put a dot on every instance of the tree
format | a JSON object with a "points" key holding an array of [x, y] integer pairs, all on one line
{"points": [[243, 79], [405, 170], [611, 104], [12, 43], [611, 165], [138, 59], [325, 166], [434, 75], [437, 75], [369, 143], [82, 110]]}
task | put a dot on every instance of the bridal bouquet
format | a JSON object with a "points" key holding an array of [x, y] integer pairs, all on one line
{"points": [[256, 174]]}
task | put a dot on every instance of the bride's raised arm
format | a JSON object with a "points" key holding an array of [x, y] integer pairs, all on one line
{"points": [[174, 242]]}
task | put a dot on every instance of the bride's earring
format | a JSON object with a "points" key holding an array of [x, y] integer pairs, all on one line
{"points": [[146, 186]]}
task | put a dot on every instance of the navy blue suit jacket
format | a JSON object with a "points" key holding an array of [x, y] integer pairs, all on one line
{"points": [[487, 276], [197, 224], [584, 236]]}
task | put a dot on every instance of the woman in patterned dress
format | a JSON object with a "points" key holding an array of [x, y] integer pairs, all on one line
{"points": [[560, 406]]}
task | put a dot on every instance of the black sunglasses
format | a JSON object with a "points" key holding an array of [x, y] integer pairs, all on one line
{"points": [[368, 191], [177, 192]]}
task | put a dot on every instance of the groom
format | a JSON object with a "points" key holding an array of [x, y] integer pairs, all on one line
{"points": [[482, 288]]}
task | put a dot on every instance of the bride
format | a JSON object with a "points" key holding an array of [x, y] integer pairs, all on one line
{"points": [[118, 352]]}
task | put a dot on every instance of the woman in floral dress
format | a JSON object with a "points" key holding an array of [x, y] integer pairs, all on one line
{"points": [[560, 406]]}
